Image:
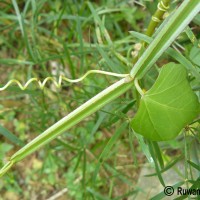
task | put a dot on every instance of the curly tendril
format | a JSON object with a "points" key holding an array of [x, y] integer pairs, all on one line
{"points": [[58, 83]]}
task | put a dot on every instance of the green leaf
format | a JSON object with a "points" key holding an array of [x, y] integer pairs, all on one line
{"points": [[10, 136], [153, 154], [195, 55], [105, 153], [196, 20], [168, 106], [197, 167]]}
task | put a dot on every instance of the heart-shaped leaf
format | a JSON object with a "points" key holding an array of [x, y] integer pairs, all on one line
{"points": [[168, 106]]}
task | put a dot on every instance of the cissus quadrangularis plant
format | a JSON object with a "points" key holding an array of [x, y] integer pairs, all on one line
{"points": [[174, 25]]}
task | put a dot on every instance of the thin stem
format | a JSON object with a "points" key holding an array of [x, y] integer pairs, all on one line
{"points": [[138, 88], [58, 83]]}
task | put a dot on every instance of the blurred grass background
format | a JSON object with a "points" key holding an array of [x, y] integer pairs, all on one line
{"points": [[100, 158]]}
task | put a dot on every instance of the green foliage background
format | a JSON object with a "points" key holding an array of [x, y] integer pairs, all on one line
{"points": [[101, 157]]}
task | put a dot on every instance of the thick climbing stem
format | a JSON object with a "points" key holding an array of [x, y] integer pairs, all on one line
{"points": [[156, 19], [71, 119], [162, 7]]}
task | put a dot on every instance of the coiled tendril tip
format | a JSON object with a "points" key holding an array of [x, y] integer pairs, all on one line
{"points": [[58, 83]]}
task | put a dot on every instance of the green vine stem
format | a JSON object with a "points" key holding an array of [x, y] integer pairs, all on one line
{"points": [[138, 88], [156, 19], [162, 7], [94, 104]]}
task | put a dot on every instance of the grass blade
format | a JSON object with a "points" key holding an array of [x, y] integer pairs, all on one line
{"points": [[169, 166], [158, 172], [195, 166], [158, 154], [10, 136], [107, 148], [173, 53]]}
